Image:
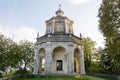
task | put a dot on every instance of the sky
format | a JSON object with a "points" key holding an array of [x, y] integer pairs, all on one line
{"points": [[23, 19]]}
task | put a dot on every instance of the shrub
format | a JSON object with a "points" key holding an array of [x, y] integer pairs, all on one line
{"points": [[20, 72], [96, 68], [1, 75]]}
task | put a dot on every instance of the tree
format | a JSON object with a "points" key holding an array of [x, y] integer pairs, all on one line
{"points": [[15, 56], [27, 54], [89, 47], [3, 52], [109, 25]]}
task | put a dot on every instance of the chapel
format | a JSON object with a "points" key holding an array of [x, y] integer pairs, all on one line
{"points": [[59, 51]]}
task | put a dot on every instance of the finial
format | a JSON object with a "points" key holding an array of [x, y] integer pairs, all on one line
{"points": [[59, 6], [37, 34], [59, 12], [80, 36]]}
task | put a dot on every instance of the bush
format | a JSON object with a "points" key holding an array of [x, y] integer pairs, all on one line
{"points": [[1, 75], [95, 68], [19, 72]]}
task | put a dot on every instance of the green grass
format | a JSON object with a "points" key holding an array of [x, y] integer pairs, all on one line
{"points": [[67, 78], [56, 78]]}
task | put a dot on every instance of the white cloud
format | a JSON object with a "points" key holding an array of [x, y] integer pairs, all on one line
{"points": [[23, 33], [77, 2], [4, 31]]}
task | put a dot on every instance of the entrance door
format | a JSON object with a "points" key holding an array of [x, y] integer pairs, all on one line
{"points": [[59, 65]]}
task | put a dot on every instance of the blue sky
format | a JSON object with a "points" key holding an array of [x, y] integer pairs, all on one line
{"points": [[22, 19]]}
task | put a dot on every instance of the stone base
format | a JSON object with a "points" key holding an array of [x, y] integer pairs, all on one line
{"points": [[77, 75]]}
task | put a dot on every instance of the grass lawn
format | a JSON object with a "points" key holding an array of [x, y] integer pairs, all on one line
{"points": [[67, 78], [56, 78]]}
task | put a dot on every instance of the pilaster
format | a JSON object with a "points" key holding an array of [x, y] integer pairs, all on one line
{"points": [[70, 59], [48, 59], [82, 67], [53, 25], [36, 61]]}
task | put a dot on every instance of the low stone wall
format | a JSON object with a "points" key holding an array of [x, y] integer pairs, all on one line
{"points": [[109, 76]]}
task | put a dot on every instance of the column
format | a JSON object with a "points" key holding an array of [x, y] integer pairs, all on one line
{"points": [[40, 67], [48, 60], [66, 30], [36, 61], [70, 59], [82, 66], [53, 26], [77, 61]]}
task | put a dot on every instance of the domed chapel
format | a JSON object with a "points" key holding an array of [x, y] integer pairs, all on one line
{"points": [[59, 51]]}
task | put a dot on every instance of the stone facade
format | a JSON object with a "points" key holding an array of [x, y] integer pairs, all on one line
{"points": [[59, 51]]}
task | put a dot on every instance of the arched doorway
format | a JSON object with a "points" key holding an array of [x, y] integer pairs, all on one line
{"points": [[77, 61], [59, 61], [42, 60]]}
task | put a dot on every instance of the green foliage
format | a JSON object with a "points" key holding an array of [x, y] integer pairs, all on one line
{"points": [[21, 72], [109, 25], [5, 44], [17, 72], [1, 75], [96, 63], [95, 67], [88, 49], [26, 55], [15, 56]]}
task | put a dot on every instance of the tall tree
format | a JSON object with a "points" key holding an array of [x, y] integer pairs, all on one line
{"points": [[109, 25], [89, 47], [6, 56], [13, 55], [3, 52]]}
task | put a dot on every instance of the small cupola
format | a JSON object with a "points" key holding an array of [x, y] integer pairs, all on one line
{"points": [[59, 12], [59, 24]]}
